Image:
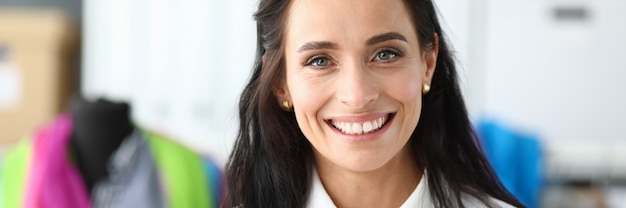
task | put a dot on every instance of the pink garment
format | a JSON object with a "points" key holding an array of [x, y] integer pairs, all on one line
{"points": [[54, 181]]}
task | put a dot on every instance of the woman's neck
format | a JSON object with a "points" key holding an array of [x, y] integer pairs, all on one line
{"points": [[387, 186]]}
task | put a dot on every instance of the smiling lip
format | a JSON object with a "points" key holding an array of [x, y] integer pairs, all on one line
{"points": [[361, 128]]}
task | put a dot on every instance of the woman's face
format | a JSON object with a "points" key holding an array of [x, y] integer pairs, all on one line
{"points": [[354, 74]]}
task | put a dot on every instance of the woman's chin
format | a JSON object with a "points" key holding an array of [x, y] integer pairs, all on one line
{"points": [[361, 163]]}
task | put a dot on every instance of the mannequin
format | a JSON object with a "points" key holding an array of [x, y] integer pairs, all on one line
{"points": [[99, 129]]}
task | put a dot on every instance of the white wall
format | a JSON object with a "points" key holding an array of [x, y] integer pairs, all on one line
{"points": [[562, 79], [181, 64], [462, 25]]}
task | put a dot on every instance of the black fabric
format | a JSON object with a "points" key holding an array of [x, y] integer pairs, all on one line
{"points": [[99, 129]]}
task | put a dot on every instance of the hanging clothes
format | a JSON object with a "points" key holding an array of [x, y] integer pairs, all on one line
{"points": [[516, 158], [52, 180], [147, 170]]}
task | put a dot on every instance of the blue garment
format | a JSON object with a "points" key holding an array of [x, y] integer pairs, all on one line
{"points": [[516, 159], [215, 180]]}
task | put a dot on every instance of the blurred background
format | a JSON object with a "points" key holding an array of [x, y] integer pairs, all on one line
{"points": [[541, 78]]}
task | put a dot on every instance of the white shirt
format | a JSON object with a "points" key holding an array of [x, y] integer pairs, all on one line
{"points": [[420, 197]]}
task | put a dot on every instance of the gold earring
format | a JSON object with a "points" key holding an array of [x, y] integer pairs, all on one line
{"points": [[286, 106], [425, 88]]}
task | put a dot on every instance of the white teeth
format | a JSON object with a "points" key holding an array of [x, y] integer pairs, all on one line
{"points": [[348, 128], [357, 128], [367, 126], [360, 128]]}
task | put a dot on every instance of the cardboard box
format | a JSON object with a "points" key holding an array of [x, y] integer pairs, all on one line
{"points": [[38, 49]]}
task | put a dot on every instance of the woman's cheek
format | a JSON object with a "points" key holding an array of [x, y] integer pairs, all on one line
{"points": [[308, 92], [403, 87]]}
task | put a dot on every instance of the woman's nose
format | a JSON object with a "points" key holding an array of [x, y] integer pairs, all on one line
{"points": [[356, 86]]}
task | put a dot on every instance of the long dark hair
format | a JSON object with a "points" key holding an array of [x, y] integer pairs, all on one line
{"points": [[271, 163]]}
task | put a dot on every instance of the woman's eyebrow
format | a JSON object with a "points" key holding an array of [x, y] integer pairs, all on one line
{"points": [[316, 45], [385, 37]]}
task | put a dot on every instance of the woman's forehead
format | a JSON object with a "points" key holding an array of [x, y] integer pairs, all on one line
{"points": [[346, 20]]}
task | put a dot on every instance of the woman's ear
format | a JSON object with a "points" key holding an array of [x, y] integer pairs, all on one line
{"points": [[282, 95], [431, 60], [281, 92], [280, 89]]}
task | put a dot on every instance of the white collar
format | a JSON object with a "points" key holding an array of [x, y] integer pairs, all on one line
{"points": [[319, 198], [420, 197]]}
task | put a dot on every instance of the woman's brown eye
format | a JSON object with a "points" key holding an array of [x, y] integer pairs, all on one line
{"points": [[385, 55]]}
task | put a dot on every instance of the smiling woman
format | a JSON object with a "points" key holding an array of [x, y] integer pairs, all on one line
{"points": [[355, 103]]}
